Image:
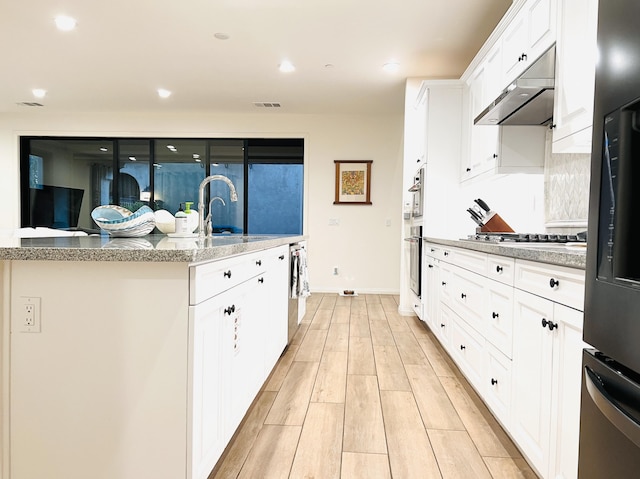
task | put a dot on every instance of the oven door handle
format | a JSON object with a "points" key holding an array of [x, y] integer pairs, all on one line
{"points": [[413, 239], [611, 408]]}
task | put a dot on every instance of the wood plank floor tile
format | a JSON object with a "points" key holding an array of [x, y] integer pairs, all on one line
{"points": [[417, 327], [312, 345], [397, 323], [375, 311], [337, 337], [457, 456], [410, 453], [361, 360], [322, 319], [331, 381], [363, 423], [319, 453], [434, 405], [273, 453], [388, 302], [441, 363], [237, 452], [359, 325], [356, 465], [381, 333], [328, 301], [341, 314], [281, 369], [300, 333], [292, 401], [409, 348], [509, 468], [391, 373], [487, 435]]}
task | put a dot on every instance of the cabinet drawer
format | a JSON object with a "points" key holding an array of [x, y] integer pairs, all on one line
{"points": [[470, 260], [557, 283], [209, 279], [442, 328], [501, 269], [499, 316], [498, 384], [468, 296], [445, 284], [467, 347], [432, 251]]}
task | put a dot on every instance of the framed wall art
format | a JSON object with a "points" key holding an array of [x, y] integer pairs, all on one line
{"points": [[353, 182]]}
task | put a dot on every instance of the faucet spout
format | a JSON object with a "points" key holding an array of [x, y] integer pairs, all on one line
{"points": [[233, 196]]}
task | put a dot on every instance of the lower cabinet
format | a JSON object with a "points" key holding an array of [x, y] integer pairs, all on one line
{"points": [[236, 337], [514, 329]]}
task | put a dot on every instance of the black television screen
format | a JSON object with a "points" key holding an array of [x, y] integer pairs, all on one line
{"points": [[54, 206]]}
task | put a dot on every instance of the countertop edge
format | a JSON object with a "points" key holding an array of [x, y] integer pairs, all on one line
{"points": [[550, 255], [121, 252]]}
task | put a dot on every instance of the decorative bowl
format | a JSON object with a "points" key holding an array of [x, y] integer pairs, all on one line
{"points": [[119, 221], [165, 221]]}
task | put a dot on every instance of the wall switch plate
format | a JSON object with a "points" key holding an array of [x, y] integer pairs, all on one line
{"points": [[29, 315]]}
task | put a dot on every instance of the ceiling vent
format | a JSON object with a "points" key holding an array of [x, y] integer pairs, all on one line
{"points": [[266, 104], [29, 103]]}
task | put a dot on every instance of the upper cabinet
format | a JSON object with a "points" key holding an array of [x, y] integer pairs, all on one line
{"points": [[530, 34], [575, 74]]}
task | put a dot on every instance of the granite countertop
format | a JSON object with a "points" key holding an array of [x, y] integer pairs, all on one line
{"points": [[150, 248], [570, 255]]}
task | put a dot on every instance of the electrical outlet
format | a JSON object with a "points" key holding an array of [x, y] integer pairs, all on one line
{"points": [[335, 271], [29, 315]]}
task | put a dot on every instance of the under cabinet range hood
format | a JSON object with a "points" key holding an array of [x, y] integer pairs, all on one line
{"points": [[528, 100]]}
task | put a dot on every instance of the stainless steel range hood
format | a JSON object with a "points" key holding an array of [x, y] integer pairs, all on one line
{"points": [[528, 100]]}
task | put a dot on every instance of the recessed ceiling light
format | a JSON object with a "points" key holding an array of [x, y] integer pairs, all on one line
{"points": [[39, 92], [132, 158], [196, 156], [391, 67], [162, 93], [65, 23], [286, 66], [104, 149], [329, 65], [221, 36]]}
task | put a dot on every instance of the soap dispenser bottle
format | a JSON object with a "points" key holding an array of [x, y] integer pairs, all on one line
{"points": [[181, 221]]}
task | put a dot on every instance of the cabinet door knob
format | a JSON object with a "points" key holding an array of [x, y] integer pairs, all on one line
{"points": [[553, 282], [442, 325], [462, 295], [494, 382], [550, 324], [462, 347], [430, 265], [498, 269], [230, 309], [281, 256], [444, 283], [495, 155], [446, 253], [468, 170], [227, 274], [260, 279], [259, 262], [495, 315]]}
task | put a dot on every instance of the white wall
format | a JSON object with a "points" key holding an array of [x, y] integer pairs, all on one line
{"points": [[362, 246]]}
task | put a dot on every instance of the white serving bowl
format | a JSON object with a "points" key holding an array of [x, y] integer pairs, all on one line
{"points": [[165, 222], [119, 221]]}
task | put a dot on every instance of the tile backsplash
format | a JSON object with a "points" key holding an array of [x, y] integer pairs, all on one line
{"points": [[566, 190]]}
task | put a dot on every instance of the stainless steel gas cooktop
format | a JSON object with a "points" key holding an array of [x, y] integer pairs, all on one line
{"points": [[529, 237]]}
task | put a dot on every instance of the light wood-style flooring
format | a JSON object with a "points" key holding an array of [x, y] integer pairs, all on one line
{"points": [[365, 393]]}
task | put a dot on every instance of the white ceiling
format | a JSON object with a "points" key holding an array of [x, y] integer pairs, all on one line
{"points": [[122, 51]]}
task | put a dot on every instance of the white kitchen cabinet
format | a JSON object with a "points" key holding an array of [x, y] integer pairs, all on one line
{"points": [[497, 384], [498, 312], [468, 297], [576, 52], [546, 390], [431, 291], [556, 283], [276, 331], [467, 348], [528, 36]]}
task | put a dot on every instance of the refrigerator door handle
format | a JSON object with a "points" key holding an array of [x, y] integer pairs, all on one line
{"points": [[611, 409]]}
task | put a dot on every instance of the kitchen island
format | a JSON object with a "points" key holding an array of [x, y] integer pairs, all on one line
{"points": [[135, 357]]}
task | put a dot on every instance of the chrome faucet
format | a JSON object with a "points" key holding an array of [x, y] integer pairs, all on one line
{"points": [[208, 220], [233, 196]]}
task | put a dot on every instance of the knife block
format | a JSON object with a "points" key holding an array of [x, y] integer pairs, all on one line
{"points": [[495, 224]]}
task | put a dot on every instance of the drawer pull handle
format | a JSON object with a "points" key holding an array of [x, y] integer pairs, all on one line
{"points": [[553, 282], [444, 283], [430, 265], [462, 347], [494, 382], [462, 295], [227, 274], [261, 280], [446, 253], [498, 269], [281, 256], [495, 315], [550, 324], [230, 309], [259, 262], [442, 325]]}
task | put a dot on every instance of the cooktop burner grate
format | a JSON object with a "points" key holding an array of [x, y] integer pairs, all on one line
{"points": [[529, 237]]}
